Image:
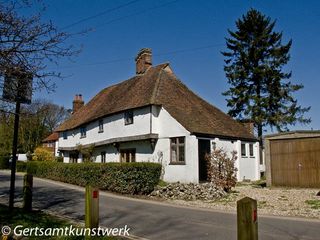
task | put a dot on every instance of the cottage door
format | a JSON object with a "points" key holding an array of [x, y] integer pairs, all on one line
{"points": [[203, 149]]}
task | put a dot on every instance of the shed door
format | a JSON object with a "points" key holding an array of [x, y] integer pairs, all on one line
{"points": [[295, 162]]}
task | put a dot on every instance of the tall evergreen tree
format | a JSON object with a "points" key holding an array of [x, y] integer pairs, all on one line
{"points": [[260, 90]]}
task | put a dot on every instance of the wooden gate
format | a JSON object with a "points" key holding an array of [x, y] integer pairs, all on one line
{"points": [[295, 162]]}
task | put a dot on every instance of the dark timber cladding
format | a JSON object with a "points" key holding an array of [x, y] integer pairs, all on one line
{"points": [[294, 159]]}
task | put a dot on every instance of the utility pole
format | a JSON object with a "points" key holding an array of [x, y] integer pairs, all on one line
{"points": [[14, 155]]}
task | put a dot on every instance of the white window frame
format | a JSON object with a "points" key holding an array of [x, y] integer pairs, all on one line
{"points": [[177, 146], [244, 154], [251, 145]]}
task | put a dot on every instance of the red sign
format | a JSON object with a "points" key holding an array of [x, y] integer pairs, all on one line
{"points": [[254, 215], [95, 194]]}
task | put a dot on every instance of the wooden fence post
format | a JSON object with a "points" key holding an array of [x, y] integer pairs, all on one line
{"points": [[247, 219], [92, 207], [27, 191]]}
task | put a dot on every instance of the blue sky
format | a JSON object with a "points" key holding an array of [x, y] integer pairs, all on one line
{"points": [[189, 34]]}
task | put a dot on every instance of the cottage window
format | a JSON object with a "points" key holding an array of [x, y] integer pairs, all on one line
{"points": [[128, 117], [243, 150], [83, 132], [103, 157], [251, 153], [100, 126], [127, 155], [65, 135], [177, 146]]}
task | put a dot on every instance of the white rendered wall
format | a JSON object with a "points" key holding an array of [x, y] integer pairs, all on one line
{"points": [[113, 127], [144, 152], [56, 146], [162, 123], [248, 167], [167, 127], [183, 173]]}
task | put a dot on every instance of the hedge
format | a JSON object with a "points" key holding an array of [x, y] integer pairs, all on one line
{"points": [[126, 178], [21, 166], [4, 162]]}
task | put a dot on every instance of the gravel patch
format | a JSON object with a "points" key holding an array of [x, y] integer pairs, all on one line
{"points": [[271, 201], [188, 192]]}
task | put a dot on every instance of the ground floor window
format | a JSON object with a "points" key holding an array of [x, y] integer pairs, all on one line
{"points": [[128, 155], [177, 150]]}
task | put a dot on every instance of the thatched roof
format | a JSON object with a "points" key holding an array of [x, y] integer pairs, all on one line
{"points": [[159, 86]]}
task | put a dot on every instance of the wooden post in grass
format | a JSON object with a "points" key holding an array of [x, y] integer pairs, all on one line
{"points": [[92, 207], [247, 219], [27, 191]]}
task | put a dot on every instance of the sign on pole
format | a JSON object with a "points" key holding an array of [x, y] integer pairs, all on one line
{"points": [[17, 86]]}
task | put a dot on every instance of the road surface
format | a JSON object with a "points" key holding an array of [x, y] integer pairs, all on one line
{"points": [[154, 220]]}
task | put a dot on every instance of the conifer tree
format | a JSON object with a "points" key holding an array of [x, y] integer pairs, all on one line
{"points": [[260, 90]]}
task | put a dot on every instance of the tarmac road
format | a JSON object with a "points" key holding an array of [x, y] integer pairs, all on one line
{"points": [[155, 220]]}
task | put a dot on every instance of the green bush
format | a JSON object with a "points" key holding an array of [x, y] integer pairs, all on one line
{"points": [[4, 162], [42, 154], [21, 166], [127, 178], [59, 159]]}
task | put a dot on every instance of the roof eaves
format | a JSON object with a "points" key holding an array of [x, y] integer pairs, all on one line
{"points": [[212, 135]]}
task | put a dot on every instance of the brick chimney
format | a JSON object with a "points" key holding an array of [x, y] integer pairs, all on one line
{"points": [[77, 103], [143, 60]]}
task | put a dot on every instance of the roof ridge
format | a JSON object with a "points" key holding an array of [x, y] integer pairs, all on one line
{"points": [[134, 77]]}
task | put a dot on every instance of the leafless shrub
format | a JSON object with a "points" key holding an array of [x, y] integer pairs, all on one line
{"points": [[221, 168], [29, 43]]}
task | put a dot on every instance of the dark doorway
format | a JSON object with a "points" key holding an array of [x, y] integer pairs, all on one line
{"points": [[73, 156], [203, 149]]}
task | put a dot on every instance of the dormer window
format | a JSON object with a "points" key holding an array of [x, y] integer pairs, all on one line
{"points": [[100, 126], [128, 117], [83, 132]]}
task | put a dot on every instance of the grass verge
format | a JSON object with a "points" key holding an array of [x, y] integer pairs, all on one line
{"points": [[314, 204], [36, 219]]}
